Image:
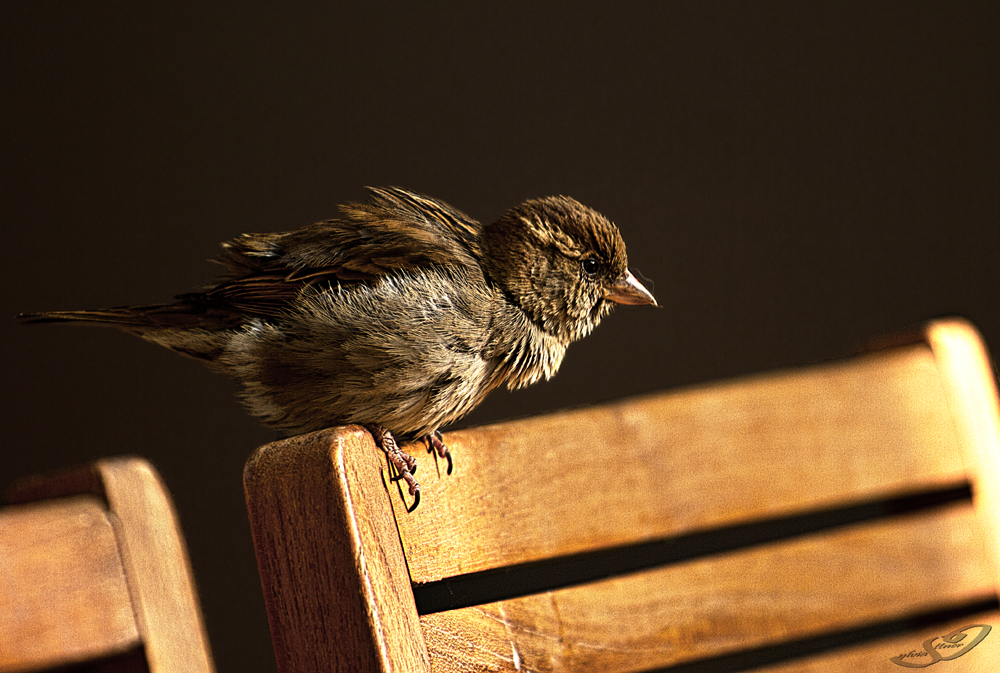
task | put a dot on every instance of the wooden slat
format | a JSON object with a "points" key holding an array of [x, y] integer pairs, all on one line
{"points": [[722, 604], [63, 592], [335, 583], [666, 464], [876, 656]]}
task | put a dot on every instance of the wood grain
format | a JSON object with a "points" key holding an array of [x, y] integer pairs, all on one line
{"points": [[335, 582], [63, 590]]}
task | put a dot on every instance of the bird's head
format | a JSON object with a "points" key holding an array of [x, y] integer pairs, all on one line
{"points": [[563, 263]]}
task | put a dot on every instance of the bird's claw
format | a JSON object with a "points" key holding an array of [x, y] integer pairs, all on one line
{"points": [[435, 443], [404, 463]]}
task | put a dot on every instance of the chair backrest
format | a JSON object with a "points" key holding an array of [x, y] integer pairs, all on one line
{"points": [[836, 517], [94, 575]]}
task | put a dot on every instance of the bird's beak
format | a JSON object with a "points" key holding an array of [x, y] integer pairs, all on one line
{"points": [[627, 290]]}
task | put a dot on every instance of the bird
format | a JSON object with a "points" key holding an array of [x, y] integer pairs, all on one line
{"points": [[400, 315]]}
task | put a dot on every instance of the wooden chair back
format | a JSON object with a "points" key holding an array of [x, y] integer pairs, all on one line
{"points": [[837, 517], [94, 575]]}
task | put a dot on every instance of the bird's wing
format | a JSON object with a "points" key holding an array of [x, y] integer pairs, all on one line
{"points": [[393, 230]]}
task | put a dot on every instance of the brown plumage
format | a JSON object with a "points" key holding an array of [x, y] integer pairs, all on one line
{"points": [[401, 315]]}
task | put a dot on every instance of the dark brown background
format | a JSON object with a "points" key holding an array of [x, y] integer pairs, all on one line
{"points": [[793, 177]]}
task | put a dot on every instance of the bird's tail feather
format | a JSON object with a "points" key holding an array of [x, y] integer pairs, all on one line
{"points": [[174, 326], [124, 317]]}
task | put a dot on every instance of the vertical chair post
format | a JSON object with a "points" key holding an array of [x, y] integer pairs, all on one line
{"points": [[335, 581], [970, 388]]}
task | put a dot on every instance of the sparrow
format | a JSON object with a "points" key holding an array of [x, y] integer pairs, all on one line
{"points": [[400, 315]]}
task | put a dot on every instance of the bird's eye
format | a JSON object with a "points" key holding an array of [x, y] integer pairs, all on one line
{"points": [[590, 266]]}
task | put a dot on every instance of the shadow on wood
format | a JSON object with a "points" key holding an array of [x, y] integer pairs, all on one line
{"points": [[94, 575], [824, 518]]}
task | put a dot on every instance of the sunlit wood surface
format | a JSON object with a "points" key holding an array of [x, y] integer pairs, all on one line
{"points": [[828, 517]]}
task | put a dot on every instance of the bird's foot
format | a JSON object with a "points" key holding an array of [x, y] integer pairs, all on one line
{"points": [[435, 442], [404, 463]]}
